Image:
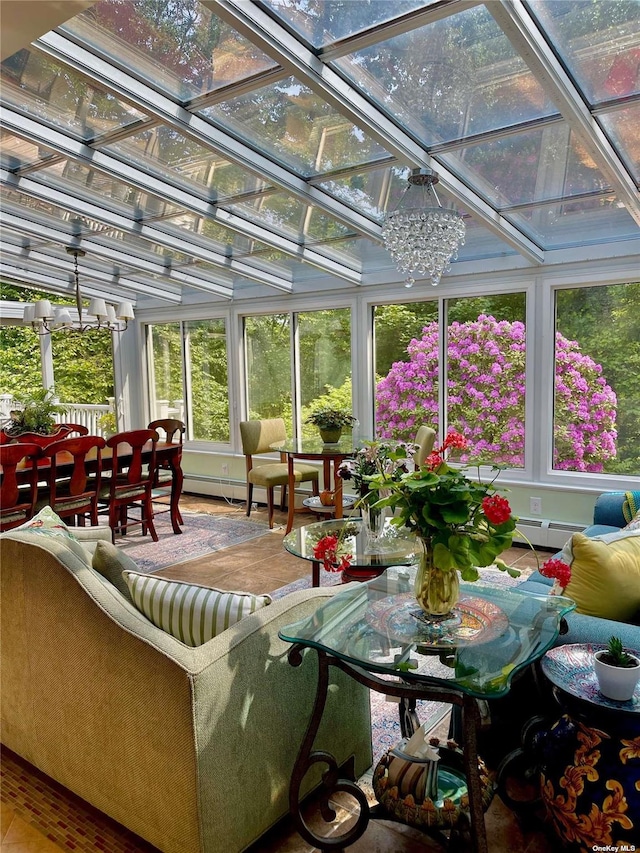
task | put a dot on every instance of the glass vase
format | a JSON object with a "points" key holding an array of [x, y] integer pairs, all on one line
{"points": [[436, 590], [373, 519]]}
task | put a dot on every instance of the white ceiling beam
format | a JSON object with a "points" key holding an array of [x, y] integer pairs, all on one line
{"points": [[521, 30], [256, 25], [32, 187], [25, 127], [169, 289], [168, 111]]}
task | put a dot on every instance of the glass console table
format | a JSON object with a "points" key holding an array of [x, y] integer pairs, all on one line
{"points": [[394, 548], [374, 633]]}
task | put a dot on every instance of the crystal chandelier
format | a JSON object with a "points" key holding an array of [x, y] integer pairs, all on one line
{"points": [[422, 236], [45, 318]]}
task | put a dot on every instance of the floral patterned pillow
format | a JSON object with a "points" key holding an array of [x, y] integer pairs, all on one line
{"points": [[48, 523]]}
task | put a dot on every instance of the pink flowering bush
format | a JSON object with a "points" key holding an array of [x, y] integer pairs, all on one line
{"points": [[486, 395]]}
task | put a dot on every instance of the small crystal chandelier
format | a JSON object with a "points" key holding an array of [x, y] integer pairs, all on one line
{"points": [[45, 318], [423, 238]]}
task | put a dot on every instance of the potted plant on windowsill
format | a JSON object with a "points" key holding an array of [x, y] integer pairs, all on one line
{"points": [[330, 422], [37, 413], [617, 670]]}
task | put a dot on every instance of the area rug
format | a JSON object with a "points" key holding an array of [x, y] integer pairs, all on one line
{"points": [[201, 534]]}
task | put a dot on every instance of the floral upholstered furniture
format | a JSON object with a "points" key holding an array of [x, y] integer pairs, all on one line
{"points": [[190, 748]]}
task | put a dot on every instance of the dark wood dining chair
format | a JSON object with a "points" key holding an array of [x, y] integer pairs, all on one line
{"points": [[75, 496], [17, 503], [257, 437], [131, 481], [173, 431]]}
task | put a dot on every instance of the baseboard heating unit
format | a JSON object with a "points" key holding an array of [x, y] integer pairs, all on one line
{"points": [[545, 533]]}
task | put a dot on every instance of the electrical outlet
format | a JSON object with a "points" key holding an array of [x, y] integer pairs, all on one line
{"points": [[535, 506], [225, 470]]}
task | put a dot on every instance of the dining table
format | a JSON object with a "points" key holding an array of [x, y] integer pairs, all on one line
{"points": [[331, 454], [166, 452]]}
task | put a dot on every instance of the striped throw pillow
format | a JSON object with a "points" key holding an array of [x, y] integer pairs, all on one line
{"points": [[191, 613]]}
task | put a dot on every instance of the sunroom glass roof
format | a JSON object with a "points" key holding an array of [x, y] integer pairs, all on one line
{"points": [[203, 148]]}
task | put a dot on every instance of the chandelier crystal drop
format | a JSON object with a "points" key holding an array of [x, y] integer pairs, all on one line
{"points": [[45, 318], [423, 238]]}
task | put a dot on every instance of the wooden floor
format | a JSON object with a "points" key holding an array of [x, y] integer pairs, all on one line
{"points": [[32, 805]]}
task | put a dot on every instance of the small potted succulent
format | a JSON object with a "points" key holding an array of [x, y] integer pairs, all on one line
{"points": [[330, 422], [617, 670]]}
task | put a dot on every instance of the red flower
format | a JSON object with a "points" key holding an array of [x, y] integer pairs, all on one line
{"points": [[557, 569], [496, 509], [326, 551], [433, 461], [454, 439]]}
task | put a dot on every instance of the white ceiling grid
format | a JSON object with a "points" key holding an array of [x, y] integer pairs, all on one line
{"points": [[202, 151]]}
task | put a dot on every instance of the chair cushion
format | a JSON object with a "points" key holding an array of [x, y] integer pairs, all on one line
{"points": [[48, 524], [191, 613], [277, 474], [111, 562], [605, 575]]}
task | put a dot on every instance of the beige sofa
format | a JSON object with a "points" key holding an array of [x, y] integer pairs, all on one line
{"points": [[190, 748]]}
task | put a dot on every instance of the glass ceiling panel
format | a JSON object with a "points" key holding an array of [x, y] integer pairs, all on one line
{"points": [[576, 223], [598, 43], [452, 78], [78, 179], [291, 217], [36, 205], [179, 47], [36, 84], [623, 128], [368, 191], [17, 153], [321, 22], [526, 167], [293, 125], [174, 157]]}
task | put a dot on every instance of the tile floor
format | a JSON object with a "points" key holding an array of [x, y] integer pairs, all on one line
{"points": [[37, 816]]}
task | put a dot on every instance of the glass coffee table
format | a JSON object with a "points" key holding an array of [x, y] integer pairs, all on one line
{"points": [[373, 632], [396, 547]]}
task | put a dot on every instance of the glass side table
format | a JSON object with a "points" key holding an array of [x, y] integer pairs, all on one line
{"points": [[371, 633], [394, 548]]}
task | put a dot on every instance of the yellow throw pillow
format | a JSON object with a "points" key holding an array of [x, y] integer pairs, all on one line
{"points": [[605, 576]]}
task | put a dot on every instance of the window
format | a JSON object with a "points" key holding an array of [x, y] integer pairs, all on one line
{"points": [[268, 367], [209, 397], [322, 359], [324, 340], [597, 384], [166, 386], [485, 381], [406, 367]]}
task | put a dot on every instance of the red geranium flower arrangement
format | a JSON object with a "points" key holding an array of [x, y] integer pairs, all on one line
{"points": [[460, 518], [326, 552], [559, 571]]}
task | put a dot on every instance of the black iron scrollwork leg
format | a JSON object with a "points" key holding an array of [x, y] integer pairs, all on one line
{"points": [[331, 779], [409, 721]]}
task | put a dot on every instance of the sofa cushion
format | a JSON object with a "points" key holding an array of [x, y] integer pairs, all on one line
{"points": [[48, 524], [605, 575], [192, 613], [111, 562]]}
